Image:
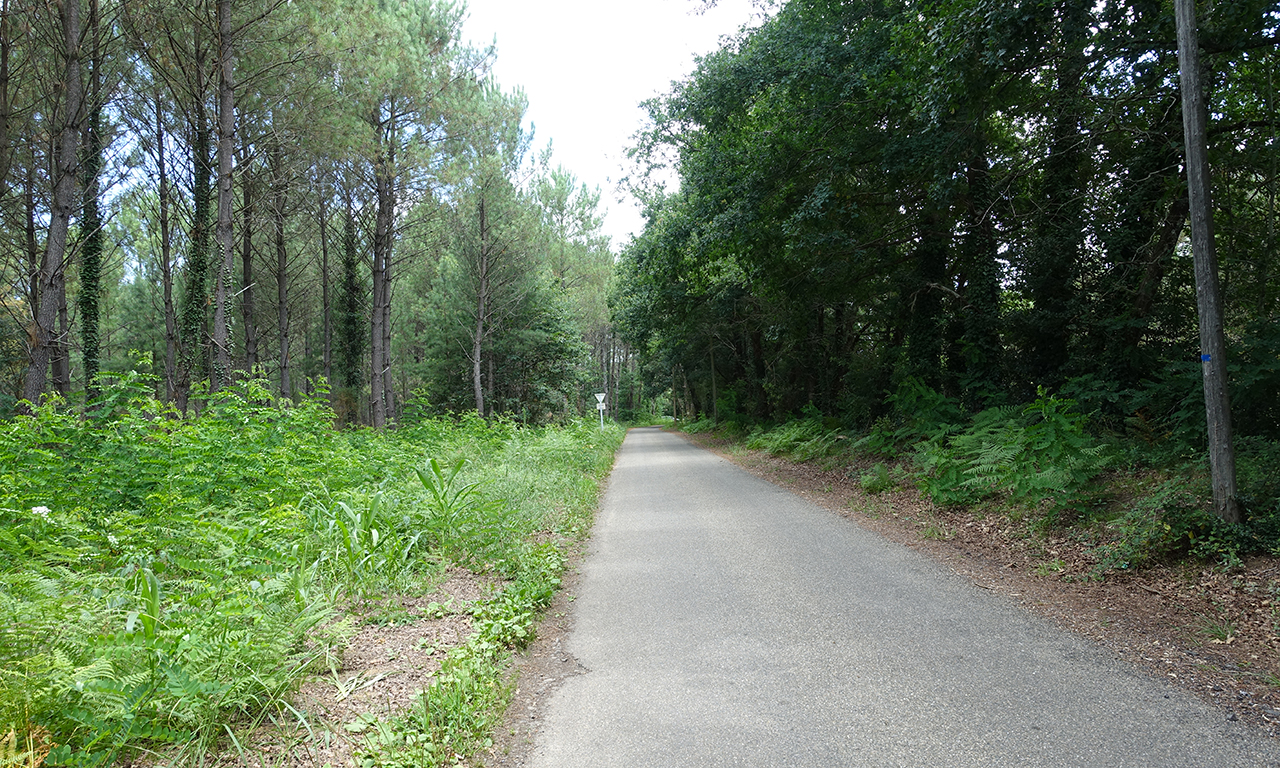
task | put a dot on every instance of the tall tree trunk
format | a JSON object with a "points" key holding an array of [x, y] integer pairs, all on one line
{"points": [[1052, 271], [981, 314], [226, 244], [52, 271], [326, 311], [91, 215], [6, 101], [482, 298], [715, 396], [166, 262], [349, 318], [1213, 352], [34, 254], [388, 383], [192, 330], [246, 263], [383, 234], [491, 385], [279, 202]]}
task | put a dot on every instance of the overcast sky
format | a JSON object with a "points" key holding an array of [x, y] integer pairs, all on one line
{"points": [[586, 65]]}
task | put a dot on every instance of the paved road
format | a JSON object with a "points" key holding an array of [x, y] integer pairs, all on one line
{"points": [[726, 622]]}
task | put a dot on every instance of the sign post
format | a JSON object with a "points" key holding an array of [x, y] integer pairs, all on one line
{"points": [[600, 406]]}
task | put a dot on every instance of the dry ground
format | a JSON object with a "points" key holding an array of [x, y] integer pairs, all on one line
{"points": [[395, 652]]}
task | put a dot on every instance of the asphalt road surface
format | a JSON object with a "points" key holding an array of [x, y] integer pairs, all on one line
{"points": [[724, 621]]}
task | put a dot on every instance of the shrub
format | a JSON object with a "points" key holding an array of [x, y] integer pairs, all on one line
{"points": [[919, 413], [1041, 453]]}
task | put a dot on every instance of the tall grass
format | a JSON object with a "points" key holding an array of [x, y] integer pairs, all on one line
{"points": [[166, 581]]}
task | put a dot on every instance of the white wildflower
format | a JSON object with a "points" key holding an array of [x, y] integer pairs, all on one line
{"points": [[41, 512]]}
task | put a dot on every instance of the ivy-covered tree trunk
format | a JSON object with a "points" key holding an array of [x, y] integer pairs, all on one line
{"points": [[195, 297], [221, 372], [52, 273], [91, 213]]}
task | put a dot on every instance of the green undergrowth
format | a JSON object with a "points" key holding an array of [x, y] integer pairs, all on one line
{"points": [[167, 582], [1047, 466], [455, 717]]}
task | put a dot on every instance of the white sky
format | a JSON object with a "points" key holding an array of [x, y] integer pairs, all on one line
{"points": [[586, 65]]}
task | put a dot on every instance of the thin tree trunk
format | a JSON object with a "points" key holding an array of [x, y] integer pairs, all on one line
{"points": [[52, 271], [482, 297], [349, 319], [378, 318], [388, 384], [711, 355], [1213, 352], [6, 103], [491, 384], [91, 215], [282, 266], [34, 256], [246, 262], [221, 373], [383, 234], [166, 263], [61, 363], [326, 311], [306, 353]]}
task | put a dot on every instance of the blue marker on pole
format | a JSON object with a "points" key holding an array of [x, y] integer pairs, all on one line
{"points": [[1206, 358]]}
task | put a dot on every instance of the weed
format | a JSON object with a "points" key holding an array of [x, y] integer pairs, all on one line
{"points": [[877, 481], [462, 524], [1050, 567], [936, 532], [1220, 629]]}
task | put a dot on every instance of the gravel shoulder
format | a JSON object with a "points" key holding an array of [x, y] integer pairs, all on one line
{"points": [[1208, 631]]}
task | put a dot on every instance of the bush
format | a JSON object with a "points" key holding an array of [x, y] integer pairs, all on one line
{"points": [[1041, 453], [919, 413], [1172, 521]]}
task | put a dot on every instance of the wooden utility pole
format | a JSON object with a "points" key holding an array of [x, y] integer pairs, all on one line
{"points": [[1213, 357]]}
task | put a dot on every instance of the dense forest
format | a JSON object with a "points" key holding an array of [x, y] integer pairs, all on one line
{"points": [[976, 198], [323, 194]]}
